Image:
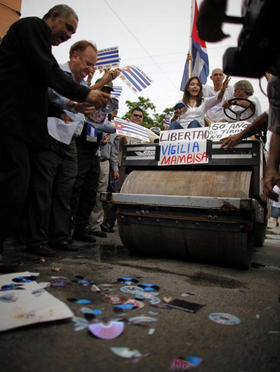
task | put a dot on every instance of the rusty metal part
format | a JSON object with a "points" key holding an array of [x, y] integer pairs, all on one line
{"points": [[233, 184]]}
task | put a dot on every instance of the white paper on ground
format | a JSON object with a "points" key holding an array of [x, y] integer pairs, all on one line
{"points": [[61, 131], [29, 308]]}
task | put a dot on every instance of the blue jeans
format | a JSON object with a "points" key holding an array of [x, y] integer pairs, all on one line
{"points": [[194, 124], [177, 125]]}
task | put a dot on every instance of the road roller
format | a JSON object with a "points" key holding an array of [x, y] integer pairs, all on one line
{"points": [[205, 204]]}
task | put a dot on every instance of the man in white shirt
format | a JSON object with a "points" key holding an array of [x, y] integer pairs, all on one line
{"points": [[216, 113], [244, 89]]}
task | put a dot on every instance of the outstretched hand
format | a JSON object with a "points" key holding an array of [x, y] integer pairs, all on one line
{"points": [[98, 98], [231, 141]]}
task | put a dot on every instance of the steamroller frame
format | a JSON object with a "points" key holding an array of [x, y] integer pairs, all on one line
{"points": [[219, 221]]}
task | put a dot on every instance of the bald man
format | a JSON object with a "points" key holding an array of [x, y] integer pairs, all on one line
{"points": [[216, 113]]}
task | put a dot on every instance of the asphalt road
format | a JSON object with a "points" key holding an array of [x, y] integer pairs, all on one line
{"points": [[253, 296]]}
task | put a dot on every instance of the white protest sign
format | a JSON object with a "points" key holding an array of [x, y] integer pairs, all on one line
{"points": [[61, 131], [222, 130], [30, 305], [184, 146]]}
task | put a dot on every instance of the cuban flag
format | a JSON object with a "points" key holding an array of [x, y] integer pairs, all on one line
{"points": [[136, 79], [200, 62], [116, 92], [108, 58], [128, 129]]}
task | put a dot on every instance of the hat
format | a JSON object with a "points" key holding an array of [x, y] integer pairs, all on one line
{"points": [[179, 105], [107, 85]]}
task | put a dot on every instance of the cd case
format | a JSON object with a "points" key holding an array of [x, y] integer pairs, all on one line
{"points": [[190, 307]]}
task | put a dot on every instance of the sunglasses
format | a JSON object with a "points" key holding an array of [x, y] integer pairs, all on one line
{"points": [[138, 116]]}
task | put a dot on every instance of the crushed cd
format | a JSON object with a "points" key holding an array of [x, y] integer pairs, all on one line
{"points": [[127, 280], [107, 331], [224, 318], [24, 279], [148, 287], [131, 289], [115, 299], [137, 304]]}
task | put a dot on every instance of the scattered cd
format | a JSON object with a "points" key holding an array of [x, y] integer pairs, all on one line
{"points": [[123, 307], [125, 352], [83, 301], [131, 289], [152, 297], [106, 287], [224, 318], [137, 304], [61, 283], [115, 299], [10, 297], [107, 331], [141, 319], [127, 280], [79, 323], [24, 279], [94, 288], [149, 287], [8, 287], [83, 282]]}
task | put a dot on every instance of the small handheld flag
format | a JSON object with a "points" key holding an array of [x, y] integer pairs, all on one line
{"points": [[136, 79], [108, 58], [126, 128], [116, 92]]}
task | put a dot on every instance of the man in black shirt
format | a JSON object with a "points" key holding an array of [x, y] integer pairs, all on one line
{"points": [[27, 69]]}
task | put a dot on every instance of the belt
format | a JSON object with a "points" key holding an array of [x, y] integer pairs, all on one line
{"points": [[102, 160]]}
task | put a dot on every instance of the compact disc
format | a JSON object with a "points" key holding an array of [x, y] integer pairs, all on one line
{"points": [[24, 279], [107, 331], [148, 287], [127, 280], [131, 289], [137, 304], [224, 318], [115, 299], [124, 307]]}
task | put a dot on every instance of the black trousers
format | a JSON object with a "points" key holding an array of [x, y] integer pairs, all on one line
{"points": [[85, 187], [47, 214], [14, 183]]}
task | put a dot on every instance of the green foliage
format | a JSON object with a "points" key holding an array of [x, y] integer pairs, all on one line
{"points": [[159, 118], [150, 117]]}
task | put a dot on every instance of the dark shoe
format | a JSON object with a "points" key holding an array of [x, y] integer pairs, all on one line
{"points": [[84, 237], [64, 245], [101, 234], [41, 250], [8, 265]]}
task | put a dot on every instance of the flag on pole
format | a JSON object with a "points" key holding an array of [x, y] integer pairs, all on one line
{"points": [[136, 79], [116, 92], [126, 128], [200, 62], [107, 58]]}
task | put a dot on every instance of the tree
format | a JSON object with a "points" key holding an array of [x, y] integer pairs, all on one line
{"points": [[159, 118], [146, 105], [150, 117]]}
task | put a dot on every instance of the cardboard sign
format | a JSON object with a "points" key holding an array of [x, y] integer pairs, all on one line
{"points": [[222, 130], [182, 153], [183, 146], [177, 135], [27, 303]]}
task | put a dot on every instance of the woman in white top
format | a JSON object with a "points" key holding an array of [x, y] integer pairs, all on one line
{"points": [[195, 105]]}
